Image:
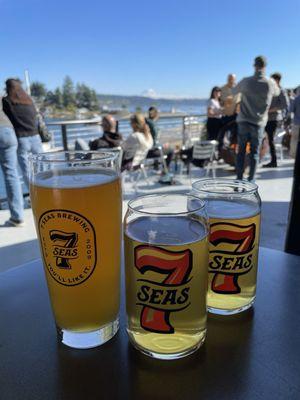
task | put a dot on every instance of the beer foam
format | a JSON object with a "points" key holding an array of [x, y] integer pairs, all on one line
{"points": [[166, 231], [74, 178], [232, 209]]}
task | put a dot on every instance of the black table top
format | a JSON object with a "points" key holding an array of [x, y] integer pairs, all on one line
{"points": [[254, 355]]}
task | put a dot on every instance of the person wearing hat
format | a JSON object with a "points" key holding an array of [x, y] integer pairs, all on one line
{"points": [[257, 92]]}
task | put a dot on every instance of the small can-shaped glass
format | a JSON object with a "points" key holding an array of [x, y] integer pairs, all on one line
{"points": [[234, 209], [166, 259], [77, 205]]}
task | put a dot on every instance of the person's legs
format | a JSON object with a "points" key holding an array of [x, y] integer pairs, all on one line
{"points": [[36, 144], [9, 166], [242, 138], [24, 148], [270, 129], [81, 144], [256, 135]]}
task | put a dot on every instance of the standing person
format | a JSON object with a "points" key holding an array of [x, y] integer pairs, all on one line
{"points": [[230, 103], [138, 143], [277, 111], [9, 166], [295, 110], [257, 92], [19, 108], [151, 121], [214, 114]]}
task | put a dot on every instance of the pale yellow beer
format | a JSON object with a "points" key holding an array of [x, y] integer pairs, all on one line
{"points": [[233, 254], [77, 215], [166, 284]]}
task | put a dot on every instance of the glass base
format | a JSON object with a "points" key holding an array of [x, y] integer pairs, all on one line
{"points": [[168, 356], [222, 311], [88, 340]]}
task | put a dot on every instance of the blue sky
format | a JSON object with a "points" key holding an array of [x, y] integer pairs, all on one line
{"points": [[180, 48]]}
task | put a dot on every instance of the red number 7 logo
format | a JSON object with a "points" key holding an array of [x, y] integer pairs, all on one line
{"points": [[177, 265], [243, 238]]}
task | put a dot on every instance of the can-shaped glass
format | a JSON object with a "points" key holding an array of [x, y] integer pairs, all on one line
{"points": [[234, 209], [166, 263], [77, 205]]}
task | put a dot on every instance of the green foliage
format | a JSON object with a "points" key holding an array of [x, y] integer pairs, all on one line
{"points": [[68, 92], [67, 97], [86, 97], [38, 90]]}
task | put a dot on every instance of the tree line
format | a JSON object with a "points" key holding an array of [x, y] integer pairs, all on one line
{"points": [[67, 97]]}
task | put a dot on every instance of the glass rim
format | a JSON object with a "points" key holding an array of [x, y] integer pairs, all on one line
{"points": [[249, 187], [181, 195], [53, 156]]}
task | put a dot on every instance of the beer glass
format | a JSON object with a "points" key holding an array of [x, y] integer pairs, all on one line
{"points": [[234, 213], [76, 202], [166, 257]]}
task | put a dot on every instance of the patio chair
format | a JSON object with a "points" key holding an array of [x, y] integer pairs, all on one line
{"points": [[203, 151], [137, 169]]}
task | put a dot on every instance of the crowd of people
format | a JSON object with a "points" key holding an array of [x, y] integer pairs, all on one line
{"points": [[243, 111], [247, 110]]}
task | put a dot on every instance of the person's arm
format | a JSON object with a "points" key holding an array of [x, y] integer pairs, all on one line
{"points": [[239, 87], [284, 101], [7, 109]]}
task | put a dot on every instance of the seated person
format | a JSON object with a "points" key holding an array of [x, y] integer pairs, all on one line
{"points": [[110, 137], [138, 143], [154, 152]]}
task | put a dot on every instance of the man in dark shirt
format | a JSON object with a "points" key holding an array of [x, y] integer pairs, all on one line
{"points": [[109, 139], [277, 111]]}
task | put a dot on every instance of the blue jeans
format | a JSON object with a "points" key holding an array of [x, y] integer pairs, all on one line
{"points": [[248, 133], [26, 145], [9, 166]]}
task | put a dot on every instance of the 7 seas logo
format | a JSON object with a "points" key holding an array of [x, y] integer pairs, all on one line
{"points": [[231, 255], [70, 251], [160, 299]]}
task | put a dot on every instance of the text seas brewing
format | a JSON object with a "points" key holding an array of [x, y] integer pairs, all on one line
{"points": [[233, 254], [78, 215], [166, 283]]}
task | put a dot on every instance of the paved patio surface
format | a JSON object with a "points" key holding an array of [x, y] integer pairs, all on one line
{"points": [[19, 245]]}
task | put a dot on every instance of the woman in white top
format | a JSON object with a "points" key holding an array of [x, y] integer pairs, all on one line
{"points": [[214, 114], [138, 143]]}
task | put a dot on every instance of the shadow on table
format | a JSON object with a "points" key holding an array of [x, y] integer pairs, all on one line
{"points": [[211, 370], [16, 254]]}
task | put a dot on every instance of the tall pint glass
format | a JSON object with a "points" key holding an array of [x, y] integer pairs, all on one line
{"points": [[76, 201], [234, 212], [166, 256]]}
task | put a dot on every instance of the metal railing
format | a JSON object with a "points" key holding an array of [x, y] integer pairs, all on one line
{"points": [[169, 125]]}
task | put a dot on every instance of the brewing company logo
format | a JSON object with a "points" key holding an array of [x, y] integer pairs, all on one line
{"points": [[68, 242], [231, 255], [168, 295]]}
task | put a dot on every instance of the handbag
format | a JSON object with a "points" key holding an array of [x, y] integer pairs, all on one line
{"points": [[45, 135]]}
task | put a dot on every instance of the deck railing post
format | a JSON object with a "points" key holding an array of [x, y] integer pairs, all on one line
{"points": [[64, 136]]}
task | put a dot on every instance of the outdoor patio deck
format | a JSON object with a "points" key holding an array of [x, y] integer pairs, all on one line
{"points": [[19, 245]]}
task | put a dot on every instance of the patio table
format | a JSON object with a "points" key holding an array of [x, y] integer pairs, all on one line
{"points": [[253, 355]]}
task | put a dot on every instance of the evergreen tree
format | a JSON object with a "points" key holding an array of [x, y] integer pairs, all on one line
{"points": [[38, 90], [68, 93]]}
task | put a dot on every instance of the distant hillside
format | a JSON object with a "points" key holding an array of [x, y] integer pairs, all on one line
{"points": [[132, 102]]}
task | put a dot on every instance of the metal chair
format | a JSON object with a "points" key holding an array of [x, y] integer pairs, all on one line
{"points": [[203, 151], [137, 169]]}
